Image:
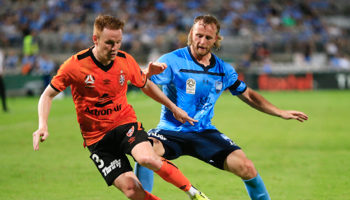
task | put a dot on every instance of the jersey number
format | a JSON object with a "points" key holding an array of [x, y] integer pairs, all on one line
{"points": [[98, 161]]}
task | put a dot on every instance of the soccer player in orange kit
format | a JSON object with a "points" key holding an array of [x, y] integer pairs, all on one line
{"points": [[98, 78]]}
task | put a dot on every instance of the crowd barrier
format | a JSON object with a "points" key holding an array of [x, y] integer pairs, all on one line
{"points": [[21, 85], [298, 81]]}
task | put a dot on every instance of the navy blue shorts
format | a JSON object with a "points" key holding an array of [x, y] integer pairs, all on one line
{"points": [[210, 146]]}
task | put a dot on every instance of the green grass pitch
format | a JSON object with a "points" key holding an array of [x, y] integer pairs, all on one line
{"points": [[298, 161]]}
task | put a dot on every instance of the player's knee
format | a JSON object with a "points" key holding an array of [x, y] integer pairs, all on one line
{"points": [[244, 168], [131, 191], [128, 184], [149, 162], [247, 169], [130, 194]]}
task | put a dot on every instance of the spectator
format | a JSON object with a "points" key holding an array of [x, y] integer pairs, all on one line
{"points": [[30, 51], [11, 61], [45, 67], [245, 63], [331, 49], [307, 49], [30, 43], [9, 31], [282, 22], [340, 62], [260, 52]]}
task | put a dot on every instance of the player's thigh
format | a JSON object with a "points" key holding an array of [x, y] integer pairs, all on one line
{"points": [[143, 149], [157, 146], [234, 160], [212, 147]]}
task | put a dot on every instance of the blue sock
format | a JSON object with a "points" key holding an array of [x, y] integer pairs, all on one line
{"points": [[145, 176], [256, 188]]}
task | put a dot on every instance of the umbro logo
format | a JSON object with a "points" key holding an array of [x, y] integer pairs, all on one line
{"points": [[106, 82]]}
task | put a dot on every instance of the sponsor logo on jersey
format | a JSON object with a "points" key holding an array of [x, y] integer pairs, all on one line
{"points": [[218, 86], [190, 86], [89, 81], [130, 132], [106, 169], [108, 111]]}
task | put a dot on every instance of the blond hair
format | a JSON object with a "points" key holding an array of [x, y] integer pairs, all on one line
{"points": [[206, 19]]}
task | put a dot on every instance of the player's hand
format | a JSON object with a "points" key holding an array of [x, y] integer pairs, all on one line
{"points": [[182, 116], [155, 68], [39, 135], [292, 114]]}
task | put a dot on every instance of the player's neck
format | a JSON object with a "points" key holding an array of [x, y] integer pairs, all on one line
{"points": [[202, 59], [99, 58]]}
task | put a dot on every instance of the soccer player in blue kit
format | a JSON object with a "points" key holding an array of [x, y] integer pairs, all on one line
{"points": [[194, 80]]}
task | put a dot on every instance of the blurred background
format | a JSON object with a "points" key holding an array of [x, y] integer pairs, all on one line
{"points": [[299, 48], [273, 44]]}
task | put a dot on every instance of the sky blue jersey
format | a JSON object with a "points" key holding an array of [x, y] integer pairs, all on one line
{"points": [[194, 88]]}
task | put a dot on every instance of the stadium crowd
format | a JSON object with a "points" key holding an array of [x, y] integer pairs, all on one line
{"points": [[157, 26]]}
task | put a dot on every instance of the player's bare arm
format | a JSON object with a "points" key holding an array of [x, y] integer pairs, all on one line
{"points": [[155, 93], [44, 107], [258, 102], [154, 68]]}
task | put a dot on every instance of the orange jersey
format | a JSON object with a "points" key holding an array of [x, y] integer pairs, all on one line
{"points": [[99, 92]]}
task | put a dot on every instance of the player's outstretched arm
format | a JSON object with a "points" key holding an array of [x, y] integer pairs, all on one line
{"points": [[154, 68], [258, 102], [44, 107], [155, 93]]}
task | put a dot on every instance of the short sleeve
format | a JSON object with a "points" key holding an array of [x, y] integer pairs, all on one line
{"points": [[137, 77], [63, 77]]}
